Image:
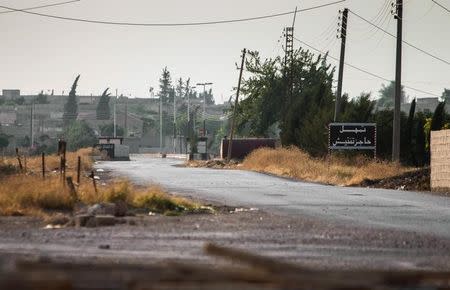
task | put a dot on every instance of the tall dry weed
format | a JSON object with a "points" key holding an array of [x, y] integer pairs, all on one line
{"points": [[295, 163], [27, 193]]}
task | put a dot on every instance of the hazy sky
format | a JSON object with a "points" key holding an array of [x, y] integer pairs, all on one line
{"points": [[40, 53]]}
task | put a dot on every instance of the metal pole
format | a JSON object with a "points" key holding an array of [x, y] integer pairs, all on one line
{"points": [[160, 124], [398, 84], [115, 122], [341, 64], [125, 133], [174, 122], [230, 142], [32, 125]]}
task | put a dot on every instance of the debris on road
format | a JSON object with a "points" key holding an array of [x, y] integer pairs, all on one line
{"points": [[418, 180]]}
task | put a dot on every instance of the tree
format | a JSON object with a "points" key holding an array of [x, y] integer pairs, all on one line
{"points": [[409, 133], [4, 142], [103, 110], [438, 121], [108, 130], [71, 107], [387, 95], [357, 110], [420, 144], [446, 95], [180, 89], [42, 98], [79, 135], [165, 85], [303, 116]]}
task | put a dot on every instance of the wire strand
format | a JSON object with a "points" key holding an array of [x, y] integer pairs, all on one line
{"points": [[442, 6], [363, 70], [171, 24], [40, 7], [404, 41]]}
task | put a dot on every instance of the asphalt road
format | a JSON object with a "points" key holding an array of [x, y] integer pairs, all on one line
{"points": [[410, 211]]}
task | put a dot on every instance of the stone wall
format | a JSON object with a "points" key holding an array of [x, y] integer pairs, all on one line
{"points": [[440, 160]]}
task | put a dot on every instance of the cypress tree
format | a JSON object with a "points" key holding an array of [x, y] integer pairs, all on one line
{"points": [[409, 131], [71, 107], [103, 110], [438, 117]]}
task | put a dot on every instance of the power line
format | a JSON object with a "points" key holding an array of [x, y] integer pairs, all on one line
{"points": [[442, 6], [170, 24], [404, 41], [39, 7], [363, 70]]}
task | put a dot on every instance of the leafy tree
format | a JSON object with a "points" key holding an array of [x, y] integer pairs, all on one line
{"points": [[165, 85], [24, 141], [79, 135], [303, 116], [4, 141], [108, 130], [103, 110], [208, 96], [387, 95], [42, 98], [19, 101], [357, 110], [71, 107], [180, 89]]}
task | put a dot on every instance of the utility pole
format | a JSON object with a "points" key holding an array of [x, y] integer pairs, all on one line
{"points": [[236, 102], [398, 83], [32, 124], [125, 126], [204, 103], [174, 122], [115, 120], [160, 124], [343, 36]]}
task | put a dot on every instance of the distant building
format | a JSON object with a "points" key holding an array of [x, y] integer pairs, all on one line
{"points": [[10, 94]]}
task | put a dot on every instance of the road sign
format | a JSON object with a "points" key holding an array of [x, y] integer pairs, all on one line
{"points": [[352, 136]]}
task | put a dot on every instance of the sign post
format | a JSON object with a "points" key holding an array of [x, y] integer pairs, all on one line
{"points": [[353, 136]]}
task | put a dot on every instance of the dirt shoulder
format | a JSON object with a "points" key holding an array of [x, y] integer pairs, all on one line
{"points": [[152, 239]]}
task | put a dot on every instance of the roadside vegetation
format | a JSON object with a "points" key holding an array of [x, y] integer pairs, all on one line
{"points": [[345, 171], [27, 193]]}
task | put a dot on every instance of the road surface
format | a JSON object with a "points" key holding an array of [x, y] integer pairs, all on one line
{"points": [[388, 209]]}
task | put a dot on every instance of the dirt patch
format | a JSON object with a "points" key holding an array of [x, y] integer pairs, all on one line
{"points": [[214, 164], [418, 180]]}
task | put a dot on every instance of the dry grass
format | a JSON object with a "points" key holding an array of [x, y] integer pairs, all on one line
{"points": [[293, 162], [27, 193], [52, 162]]}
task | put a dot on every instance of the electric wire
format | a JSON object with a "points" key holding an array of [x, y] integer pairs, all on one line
{"points": [[363, 70], [442, 6], [40, 7], [404, 41], [118, 23]]}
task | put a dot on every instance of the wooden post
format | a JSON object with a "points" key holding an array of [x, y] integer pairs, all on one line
{"points": [[60, 166], [72, 190], [43, 165], [78, 170], [25, 162], [18, 159], [93, 181]]}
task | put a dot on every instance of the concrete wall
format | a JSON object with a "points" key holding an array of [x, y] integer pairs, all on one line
{"points": [[440, 160]]}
